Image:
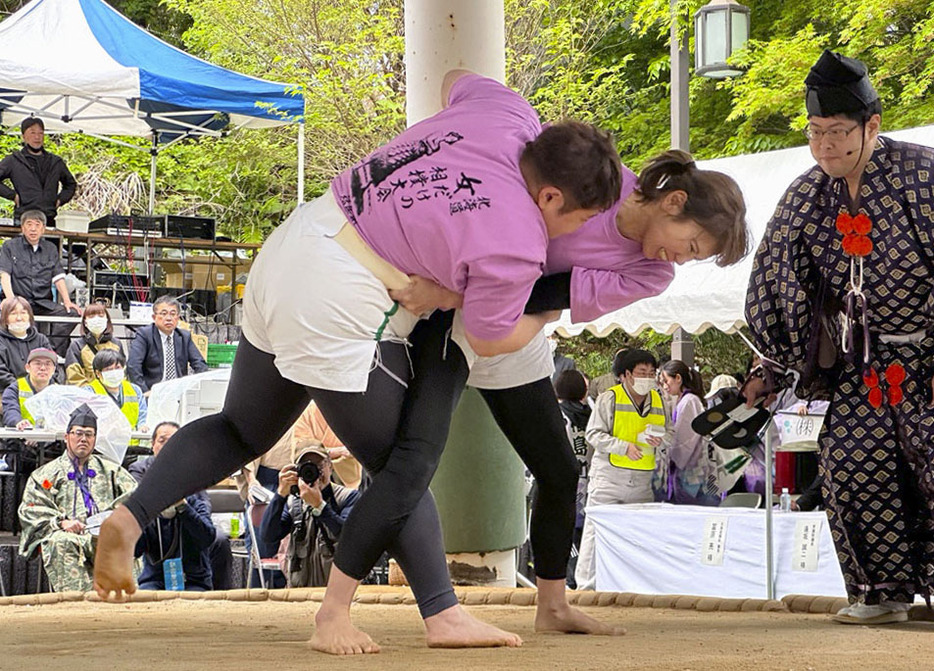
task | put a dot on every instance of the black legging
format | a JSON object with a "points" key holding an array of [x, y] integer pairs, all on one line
{"points": [[259, 408], [396, 513], [530, 418]]}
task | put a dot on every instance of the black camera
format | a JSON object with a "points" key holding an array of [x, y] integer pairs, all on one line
{"points": [[309, 472]]}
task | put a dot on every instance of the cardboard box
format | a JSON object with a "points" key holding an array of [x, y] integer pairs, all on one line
{"points": [[201, 275]]}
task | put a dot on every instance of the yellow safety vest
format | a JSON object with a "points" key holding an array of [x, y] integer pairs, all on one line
{"points": [[628, 423], [25, 391], [130, 407]]}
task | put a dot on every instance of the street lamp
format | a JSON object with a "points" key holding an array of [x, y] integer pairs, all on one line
{"points": [[720, 28]]}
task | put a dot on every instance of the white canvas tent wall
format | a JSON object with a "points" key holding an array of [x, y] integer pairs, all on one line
{"points": [[703, 295], [83, 67]]}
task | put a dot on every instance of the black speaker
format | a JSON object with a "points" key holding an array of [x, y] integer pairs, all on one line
{"points": [[200, 301], [196, 228]]}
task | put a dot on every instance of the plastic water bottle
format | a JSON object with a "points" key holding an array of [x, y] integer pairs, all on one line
{"points": [[784, 502]]}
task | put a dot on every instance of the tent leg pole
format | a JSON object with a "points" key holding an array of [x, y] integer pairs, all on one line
{"points": [[153, 153], [301, 163], [769, 557]]}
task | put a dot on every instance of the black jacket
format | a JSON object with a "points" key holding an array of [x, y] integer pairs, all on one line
{"points": [[144, 364], [37, 187], [195, 533], [812, 497], [13, 353]]}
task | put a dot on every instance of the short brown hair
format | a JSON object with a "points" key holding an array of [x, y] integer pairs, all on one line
{"points": [[714, 200], [6, 307], [579, 159], [96, 310]]}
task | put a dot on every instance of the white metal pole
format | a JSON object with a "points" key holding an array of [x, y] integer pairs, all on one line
{"points": [[301, 162], [442, 35], [769, 582], [680, 104], [153, 154], [682, 345]]}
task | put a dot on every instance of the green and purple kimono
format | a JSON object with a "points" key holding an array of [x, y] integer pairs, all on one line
{"points": [[52, 495], [876, 462]]}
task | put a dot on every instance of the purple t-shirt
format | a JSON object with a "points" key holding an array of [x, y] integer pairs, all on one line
{"points": [[608, 271], [446, 200]]}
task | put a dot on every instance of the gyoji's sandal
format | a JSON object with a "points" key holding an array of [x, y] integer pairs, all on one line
{"points": [[859, 613]]}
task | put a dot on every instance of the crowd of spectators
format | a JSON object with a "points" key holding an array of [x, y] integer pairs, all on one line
{"points": [[631, 430], [182, 549]]}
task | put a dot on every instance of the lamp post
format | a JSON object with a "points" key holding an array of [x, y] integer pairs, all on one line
{"points": [[720, 28]]}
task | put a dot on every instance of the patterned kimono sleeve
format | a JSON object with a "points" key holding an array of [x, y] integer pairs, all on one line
{"points": [[916, 179], [783, 281], [39, 515]]}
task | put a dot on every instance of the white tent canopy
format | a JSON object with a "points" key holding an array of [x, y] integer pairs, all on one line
{"points": [[81, 66], [703, 295]]}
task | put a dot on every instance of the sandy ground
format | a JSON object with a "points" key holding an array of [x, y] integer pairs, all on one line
{"points": [[200, 635]]}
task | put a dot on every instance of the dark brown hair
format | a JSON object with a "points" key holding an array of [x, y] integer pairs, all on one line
{"points": [[96, 310], [6, 307], [690, 379], [714, 200], [579, 159]]}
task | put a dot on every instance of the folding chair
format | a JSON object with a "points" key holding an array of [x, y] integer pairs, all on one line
{"points": [[229, 501], [254, 518]]}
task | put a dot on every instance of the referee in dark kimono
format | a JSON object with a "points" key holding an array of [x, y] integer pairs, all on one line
{"points": [[840, 291]]}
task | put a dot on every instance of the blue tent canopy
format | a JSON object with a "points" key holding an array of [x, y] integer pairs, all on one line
{"points": [[99, 73]]}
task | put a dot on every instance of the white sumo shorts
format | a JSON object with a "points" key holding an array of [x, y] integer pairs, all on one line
{"points": [[314, 307], [529, 364]]}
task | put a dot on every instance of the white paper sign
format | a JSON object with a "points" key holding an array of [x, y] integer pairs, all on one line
{"points": [[714, 543], [140, 311], [807, 545]]}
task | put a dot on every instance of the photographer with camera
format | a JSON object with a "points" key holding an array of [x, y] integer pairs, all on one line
{"points": [[311, 510]]}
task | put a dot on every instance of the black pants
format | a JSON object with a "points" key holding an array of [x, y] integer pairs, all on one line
{"points": [[529, 416], [531, 419], [398, 438], [396, 513], [59, 334]]}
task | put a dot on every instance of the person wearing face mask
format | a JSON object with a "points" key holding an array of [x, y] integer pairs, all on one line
{"points": [[96, 336], [623, 462], [110, 380], [18, 337]]}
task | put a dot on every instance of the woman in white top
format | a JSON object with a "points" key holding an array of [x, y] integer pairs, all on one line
{"points": [[689, 465]]}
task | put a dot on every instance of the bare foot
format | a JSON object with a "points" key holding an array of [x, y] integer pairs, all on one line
{"points": [[567, 620], [113, 561], [336, 635], [456, 628]]}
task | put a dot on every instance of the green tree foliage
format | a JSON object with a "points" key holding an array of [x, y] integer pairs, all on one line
{"points": [[715, 352], [156, 17], [344, 56], [604, 61]]}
